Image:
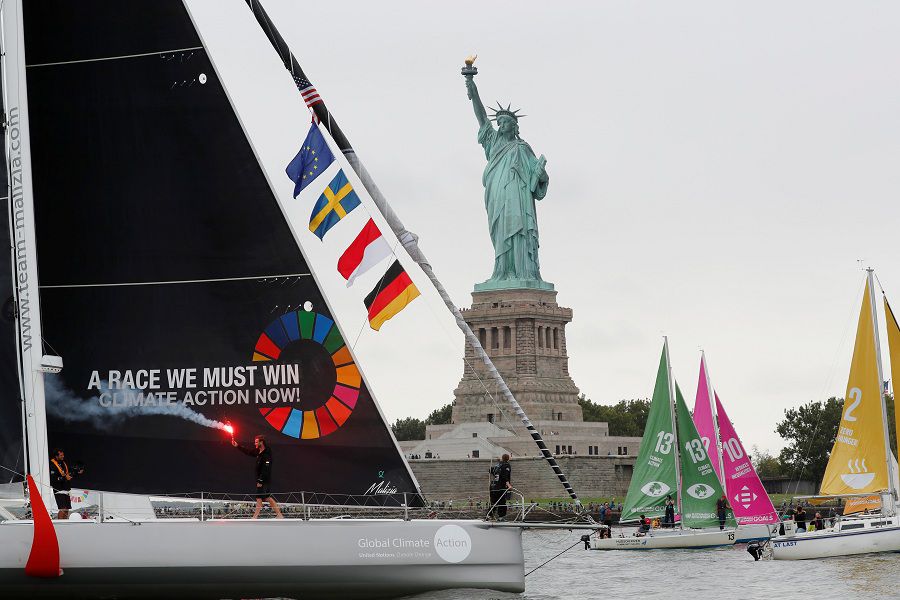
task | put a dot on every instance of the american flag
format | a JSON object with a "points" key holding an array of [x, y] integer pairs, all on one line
{"points": [[309, 93]]}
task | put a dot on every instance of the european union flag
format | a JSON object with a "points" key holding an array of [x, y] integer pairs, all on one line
{"points": [[336, 201], [313, 158]]}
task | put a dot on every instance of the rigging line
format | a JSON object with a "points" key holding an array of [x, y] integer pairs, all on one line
{"points": [[103, 58], [172, 282], [554, 558]]}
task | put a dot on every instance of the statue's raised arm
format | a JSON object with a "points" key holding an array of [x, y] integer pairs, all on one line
{"points": [[469, 72], [480, 112]]}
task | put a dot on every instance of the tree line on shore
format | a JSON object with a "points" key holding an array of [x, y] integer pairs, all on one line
{"points": [[808, 432]]}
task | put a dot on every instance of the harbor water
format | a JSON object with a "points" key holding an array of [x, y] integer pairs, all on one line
{"points": [[728, 573]]}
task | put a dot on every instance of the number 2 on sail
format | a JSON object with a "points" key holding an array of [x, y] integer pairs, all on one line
{"points": [[856, 396]]}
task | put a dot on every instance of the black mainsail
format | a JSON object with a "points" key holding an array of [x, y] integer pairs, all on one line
{"points": [[169, 275]]}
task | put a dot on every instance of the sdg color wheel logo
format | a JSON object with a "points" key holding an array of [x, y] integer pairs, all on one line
{"points": [[296, 329]]}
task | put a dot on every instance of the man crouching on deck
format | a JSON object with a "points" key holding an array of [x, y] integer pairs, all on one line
{"points": [[263, 473]]}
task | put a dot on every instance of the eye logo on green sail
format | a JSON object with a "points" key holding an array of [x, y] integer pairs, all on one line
{"points": [[655, 489], [337, 406], [700, 491]]}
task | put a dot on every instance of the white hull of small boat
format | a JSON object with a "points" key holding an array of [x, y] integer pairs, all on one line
{"points": [[849, 537], [755, 532], [267, 558], [668, 540]]}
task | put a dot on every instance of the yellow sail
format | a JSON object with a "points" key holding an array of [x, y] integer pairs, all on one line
{"points": [[894, 348], [858, 463]]}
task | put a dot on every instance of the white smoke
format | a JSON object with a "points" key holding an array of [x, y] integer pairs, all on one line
{"points": [[63, 404]]}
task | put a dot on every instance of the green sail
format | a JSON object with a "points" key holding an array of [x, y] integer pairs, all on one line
{"points": [[654, 471], [700, 487]]}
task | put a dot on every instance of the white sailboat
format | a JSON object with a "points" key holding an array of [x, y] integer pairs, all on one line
{"points": [[140, 90], [672, 460], [861, 468]]}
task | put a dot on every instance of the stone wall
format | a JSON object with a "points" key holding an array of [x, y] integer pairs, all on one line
{"points": [[590, 476]]}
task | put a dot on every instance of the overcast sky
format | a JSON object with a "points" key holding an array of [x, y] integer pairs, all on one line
{"points": [[716, 171]]}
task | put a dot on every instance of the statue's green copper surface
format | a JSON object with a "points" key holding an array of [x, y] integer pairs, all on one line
{"points": [[513, 179]]}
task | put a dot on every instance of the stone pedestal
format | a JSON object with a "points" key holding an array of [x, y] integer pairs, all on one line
{"points": [[523, 331]]}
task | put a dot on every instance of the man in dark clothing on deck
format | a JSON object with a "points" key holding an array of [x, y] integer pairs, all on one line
{"points": [[722, 511], [504, 484], [60, 478], [263, 473]]}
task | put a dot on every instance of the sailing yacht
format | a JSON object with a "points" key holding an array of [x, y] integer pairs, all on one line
{"points": [[154, 260], [861, 468], [672, 463], [746, 494]]}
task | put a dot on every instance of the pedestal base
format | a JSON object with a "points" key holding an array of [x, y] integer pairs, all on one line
{"points": [[513, 284]]}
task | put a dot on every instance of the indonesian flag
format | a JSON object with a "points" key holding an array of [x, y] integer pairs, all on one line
{"points": [[367, 250]]}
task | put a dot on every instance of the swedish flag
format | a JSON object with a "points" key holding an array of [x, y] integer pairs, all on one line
{"points": [[336, 201]]}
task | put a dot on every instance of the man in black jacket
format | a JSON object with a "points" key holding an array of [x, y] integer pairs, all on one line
{"points": [[263, 473], [60, 478], [504, 485]]}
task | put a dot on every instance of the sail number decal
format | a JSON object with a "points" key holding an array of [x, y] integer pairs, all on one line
{"points": [[338, 405], [664, 442], [856, 396], [733, 448], [695, 450]]}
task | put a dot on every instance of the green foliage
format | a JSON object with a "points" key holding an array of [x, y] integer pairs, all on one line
{"points": [[625, 418], [766, 465], [412, 428], [409, 428], [441, 416], [810, 431]]}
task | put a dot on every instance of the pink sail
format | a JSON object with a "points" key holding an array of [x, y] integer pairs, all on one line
{"points": [[745, 491], [703, 420]]}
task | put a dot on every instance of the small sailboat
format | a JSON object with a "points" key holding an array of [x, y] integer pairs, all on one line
{"points": [[749, 501], [861, 468], [672, 464]]}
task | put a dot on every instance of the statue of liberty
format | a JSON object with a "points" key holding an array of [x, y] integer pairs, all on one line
{"points": [[513, 179]]}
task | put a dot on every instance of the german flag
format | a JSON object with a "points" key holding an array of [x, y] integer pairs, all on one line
{"points": [[390, 296]]}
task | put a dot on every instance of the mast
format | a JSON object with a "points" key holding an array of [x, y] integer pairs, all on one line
{"points": [[715, 418], [870, 276], [408, 239], [671, 382], [22, 236]]}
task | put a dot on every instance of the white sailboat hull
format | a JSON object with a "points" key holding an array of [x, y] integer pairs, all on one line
{"points": [[840, 541], [266, 558], [755, 532], [668, 540]]}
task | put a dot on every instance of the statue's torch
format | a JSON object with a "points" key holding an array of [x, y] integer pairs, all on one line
{"points": [[470, 70]]}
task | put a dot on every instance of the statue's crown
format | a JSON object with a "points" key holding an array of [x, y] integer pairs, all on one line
{"points": [[500, 111]]}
